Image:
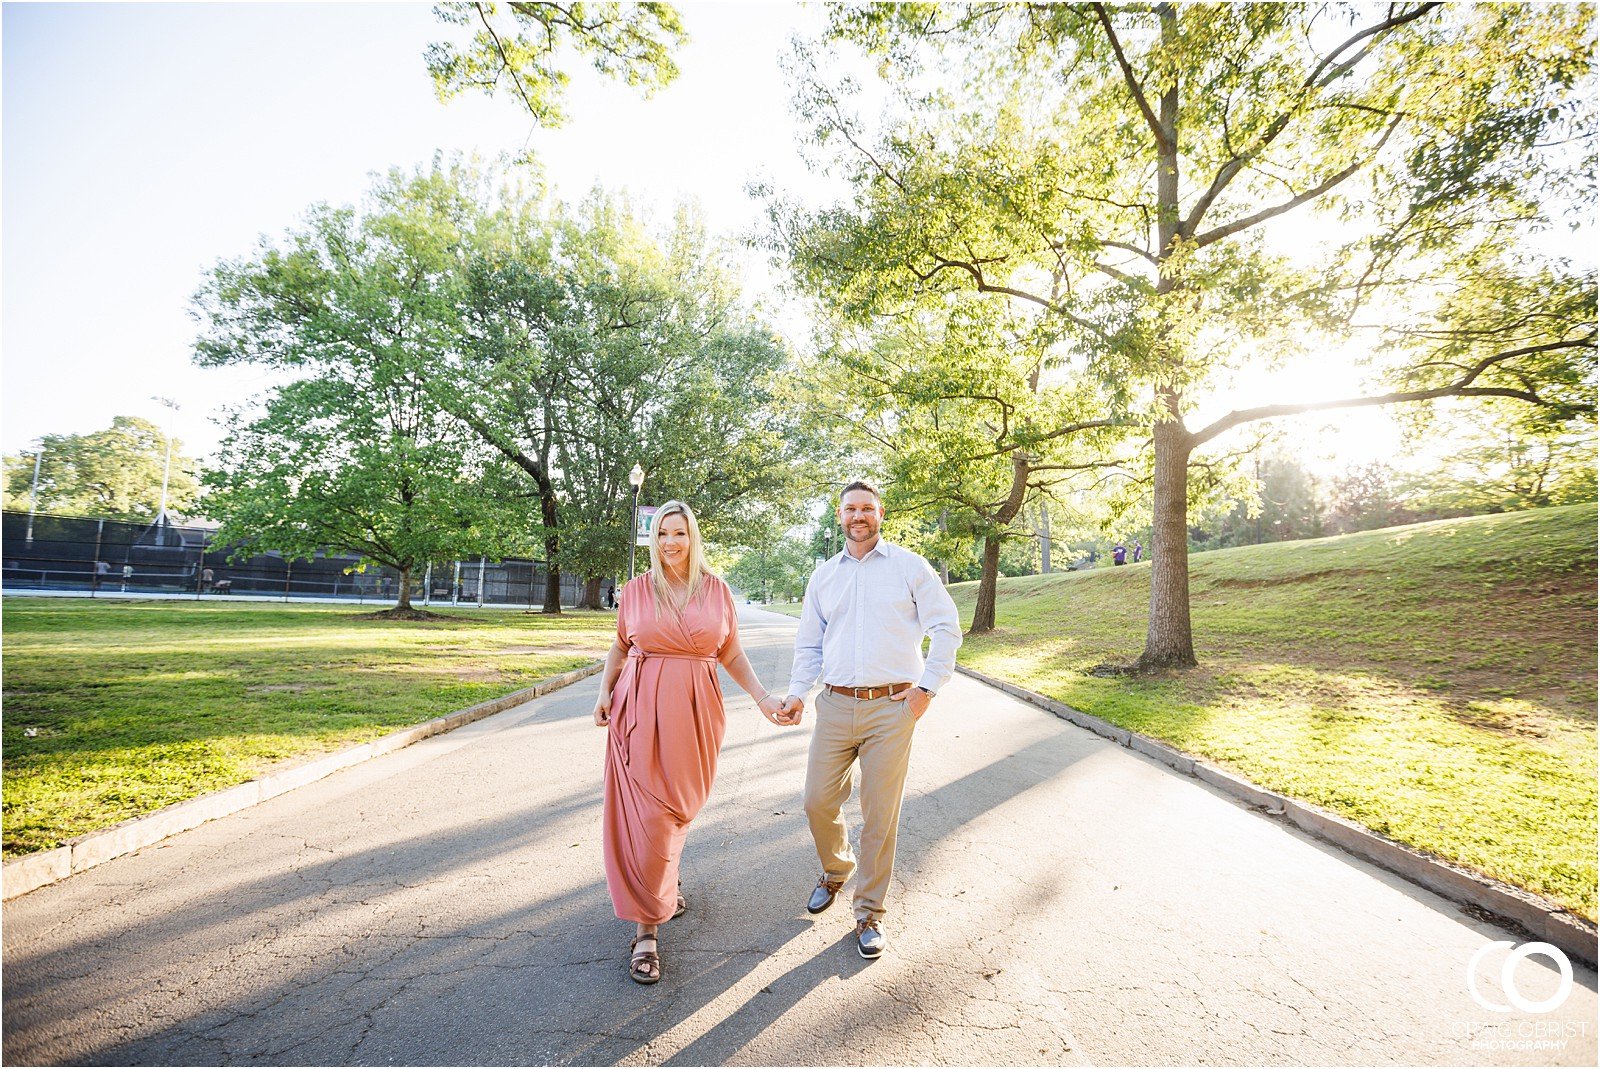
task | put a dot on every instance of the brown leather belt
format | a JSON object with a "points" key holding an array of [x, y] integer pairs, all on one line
{"points": [[864, 693]]}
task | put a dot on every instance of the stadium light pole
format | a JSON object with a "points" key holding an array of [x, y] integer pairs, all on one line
{"points": [[166, 474], [635, 480], [33, 502]]}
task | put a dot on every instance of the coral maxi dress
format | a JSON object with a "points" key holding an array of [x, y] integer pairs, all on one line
{"points": [[662, 745]]}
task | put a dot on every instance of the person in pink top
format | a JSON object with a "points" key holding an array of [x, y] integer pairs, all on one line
{"points": [[662, 703]]}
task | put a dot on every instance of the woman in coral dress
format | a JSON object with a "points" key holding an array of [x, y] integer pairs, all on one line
{"points": [[663, 705]]}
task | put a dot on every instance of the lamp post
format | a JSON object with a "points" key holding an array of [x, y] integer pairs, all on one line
{"points": [[635, 480]]}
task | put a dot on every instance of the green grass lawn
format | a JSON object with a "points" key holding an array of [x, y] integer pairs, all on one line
{"points": [[114, 708], [1435, 682]]}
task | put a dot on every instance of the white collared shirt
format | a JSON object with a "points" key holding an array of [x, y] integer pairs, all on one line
{"points": [[864, 620]]}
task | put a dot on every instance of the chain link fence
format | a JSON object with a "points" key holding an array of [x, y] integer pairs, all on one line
{"points": [[75, 554]]}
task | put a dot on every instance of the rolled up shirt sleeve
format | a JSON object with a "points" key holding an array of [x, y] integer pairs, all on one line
{"points": [[936, 613]]}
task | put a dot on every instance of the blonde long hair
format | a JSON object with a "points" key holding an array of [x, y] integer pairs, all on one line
{"points": [[699, 570]]}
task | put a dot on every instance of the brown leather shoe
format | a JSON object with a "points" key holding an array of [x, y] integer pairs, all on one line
{"points": [[870, 939], [823, 895]]}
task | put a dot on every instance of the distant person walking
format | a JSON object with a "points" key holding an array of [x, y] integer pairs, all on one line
{"points": [[611, 596], [101, 570], [662, 703], [1138, 552], [1119, 554]]}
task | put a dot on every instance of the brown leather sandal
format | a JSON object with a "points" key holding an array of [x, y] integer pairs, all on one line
{"points": [[683, 903], [645, 965]]}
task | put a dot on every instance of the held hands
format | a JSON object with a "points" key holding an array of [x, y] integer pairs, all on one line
{"points": [[793, 709], [778, 711], [919, 699]]}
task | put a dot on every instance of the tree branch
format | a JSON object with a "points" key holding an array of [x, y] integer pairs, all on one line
{"points": [[1133, 82], [984, 286], [1462, 387], [505, 60], [1218, 233], [1314, 81]]}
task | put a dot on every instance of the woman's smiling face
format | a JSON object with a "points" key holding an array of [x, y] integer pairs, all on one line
{"points": [[672, 543]]}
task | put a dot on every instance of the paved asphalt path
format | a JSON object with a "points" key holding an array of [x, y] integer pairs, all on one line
{"points": [[1058, 900]]}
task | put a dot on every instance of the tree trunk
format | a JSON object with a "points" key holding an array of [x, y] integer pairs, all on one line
{"points": [[983, 611], [403, 603], [552, 547], [1169, 643], [944, 565], [989, 582], [591, 592]]}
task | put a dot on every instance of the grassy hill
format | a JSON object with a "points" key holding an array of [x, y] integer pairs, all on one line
{"points": [[1434, 682]]}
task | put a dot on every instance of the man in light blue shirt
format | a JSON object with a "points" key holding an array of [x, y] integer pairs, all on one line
{"points": [[866, 613]]}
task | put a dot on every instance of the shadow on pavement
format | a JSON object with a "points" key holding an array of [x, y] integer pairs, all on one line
{"points": [[480, 957]]}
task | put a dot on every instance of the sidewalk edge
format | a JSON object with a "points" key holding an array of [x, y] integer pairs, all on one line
{"points": [[29, 873], [1573, 934]]}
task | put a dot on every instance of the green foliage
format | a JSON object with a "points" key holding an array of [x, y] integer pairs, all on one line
{"points": [[1506, 457], [1285, 502], [1038, 188], [112, 474], [597, 345], [480, 369], [773, 570], [965, 409], [354, 454], [513, 48]]}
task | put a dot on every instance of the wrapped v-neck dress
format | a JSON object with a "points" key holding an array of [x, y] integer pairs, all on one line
{"points": [[665, 734]]}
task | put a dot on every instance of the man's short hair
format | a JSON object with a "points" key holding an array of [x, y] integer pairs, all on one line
{"points": [[861, 484]]}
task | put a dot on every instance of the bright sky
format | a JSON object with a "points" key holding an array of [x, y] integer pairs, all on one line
{"points": [[142, 143]]}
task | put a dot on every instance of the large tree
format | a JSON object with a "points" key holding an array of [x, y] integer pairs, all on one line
{"points": [[354, 454], [600, 346], [1141, 175], [967, 414], [115, 473]]}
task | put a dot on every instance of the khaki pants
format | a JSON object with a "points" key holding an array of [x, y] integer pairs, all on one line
{"points": [[877, 732]]}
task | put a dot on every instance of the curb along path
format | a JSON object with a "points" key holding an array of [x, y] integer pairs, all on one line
{"points": [[86, 851], [1575, 935]]}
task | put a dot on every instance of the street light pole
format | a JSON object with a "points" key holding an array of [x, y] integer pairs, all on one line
{"points": [[33, 505], [635, 480]]}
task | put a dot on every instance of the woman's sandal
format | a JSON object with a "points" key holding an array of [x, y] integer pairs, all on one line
{"points": [[683, 903], [645, 965]]}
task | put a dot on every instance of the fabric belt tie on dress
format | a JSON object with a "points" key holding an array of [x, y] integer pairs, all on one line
{"points": [[635, 654], [863, 693]]}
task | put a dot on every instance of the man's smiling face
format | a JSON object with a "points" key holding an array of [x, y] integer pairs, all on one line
{"points": [[860, 514]]}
